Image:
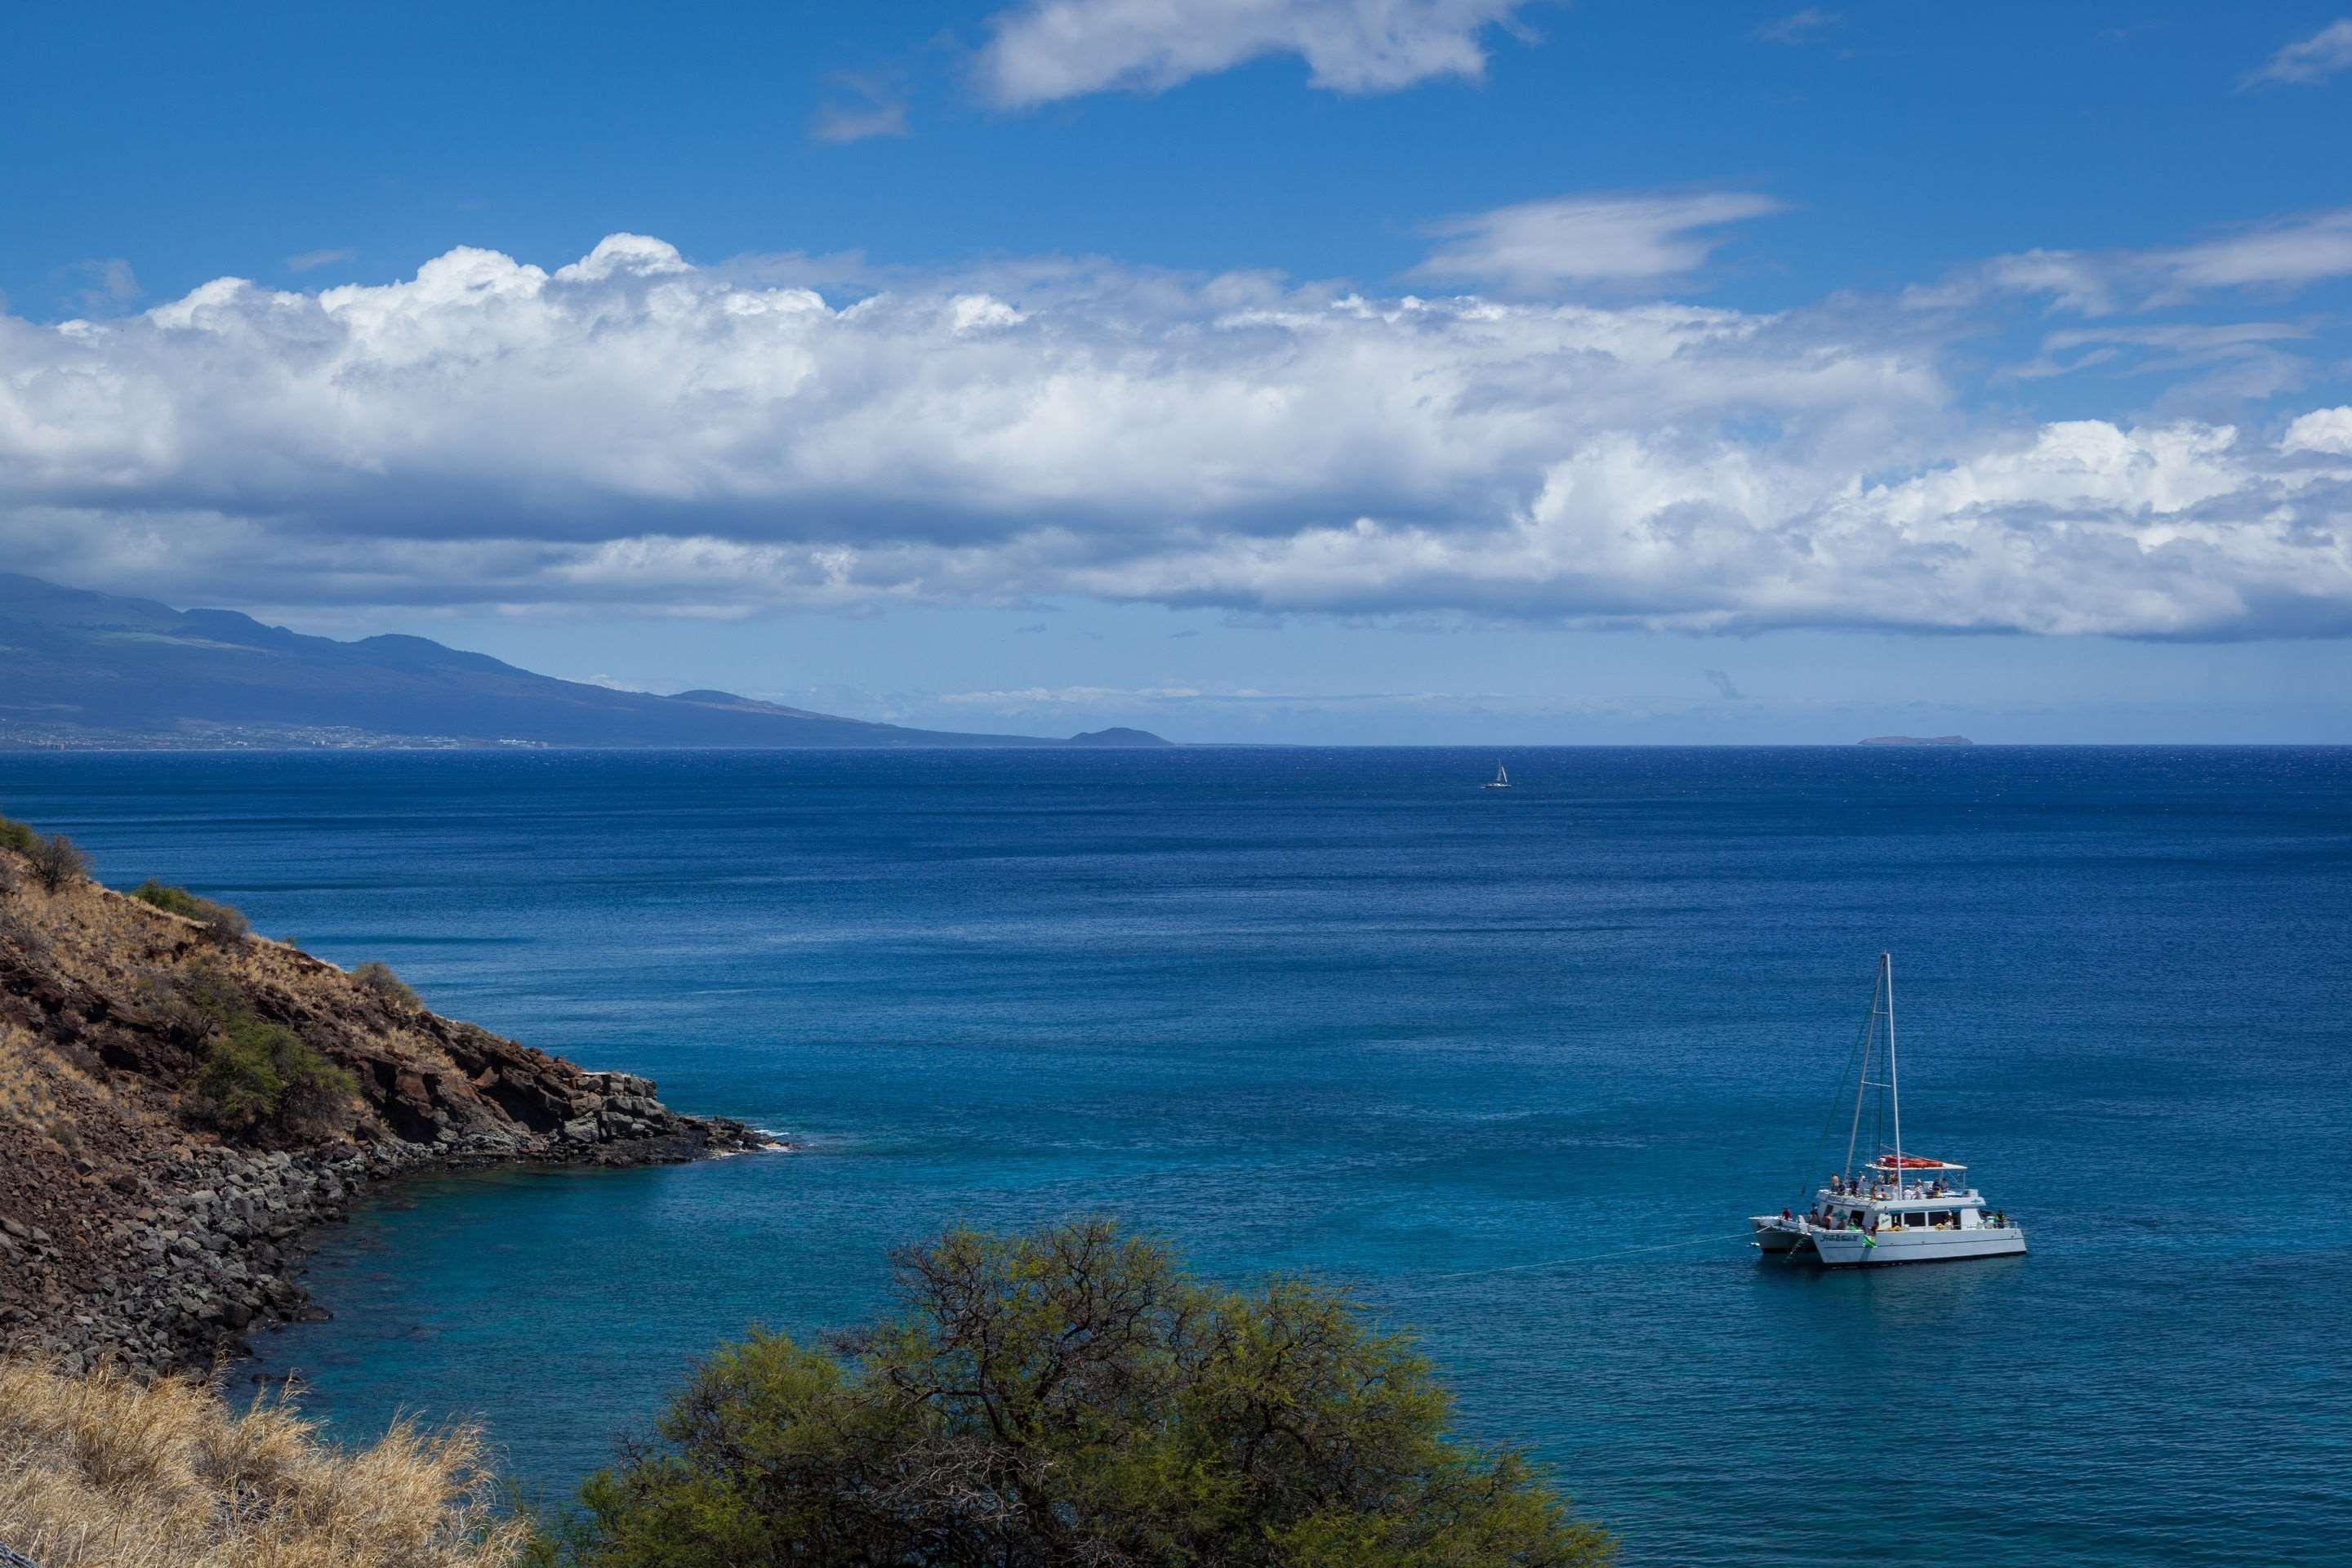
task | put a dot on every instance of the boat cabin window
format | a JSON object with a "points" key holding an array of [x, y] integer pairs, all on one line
{"points": [[1914, 1221]]}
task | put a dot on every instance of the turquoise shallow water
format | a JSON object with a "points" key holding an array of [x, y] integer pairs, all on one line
{"points": [[1342, 1010]]}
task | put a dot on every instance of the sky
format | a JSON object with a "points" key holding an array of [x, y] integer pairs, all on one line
{"points": [[1378, 371]]}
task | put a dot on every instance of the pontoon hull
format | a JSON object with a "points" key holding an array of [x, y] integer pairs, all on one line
{"points": [[1850, 1249]]}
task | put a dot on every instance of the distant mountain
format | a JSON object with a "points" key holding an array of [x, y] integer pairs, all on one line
{"points": [[1917, 741], [79, 668]]}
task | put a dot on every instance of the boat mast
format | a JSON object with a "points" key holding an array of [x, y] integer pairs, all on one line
{"points": [[1894, 1073], [1862, 1077]]}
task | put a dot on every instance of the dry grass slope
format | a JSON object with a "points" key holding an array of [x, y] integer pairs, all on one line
{"points": [[105, 1472]]}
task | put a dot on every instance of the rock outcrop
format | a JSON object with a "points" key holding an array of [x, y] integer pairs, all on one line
{"points": [[135, 1222]]}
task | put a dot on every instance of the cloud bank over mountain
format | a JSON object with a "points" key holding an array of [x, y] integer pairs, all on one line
{"points": [[634, 430]]}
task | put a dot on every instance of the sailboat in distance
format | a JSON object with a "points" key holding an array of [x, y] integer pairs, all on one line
{"points": [[1502, 779]]}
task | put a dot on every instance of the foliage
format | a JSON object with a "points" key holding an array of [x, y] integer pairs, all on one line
{"points": [[224, 923], [214, 993], [104, 1471], [379, 978], [1072, 1397], [57, 860], [170, 900], [259, 1074], [16, 836]]}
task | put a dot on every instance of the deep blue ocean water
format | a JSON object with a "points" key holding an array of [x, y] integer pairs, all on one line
{"points": [[1341, 1010]]}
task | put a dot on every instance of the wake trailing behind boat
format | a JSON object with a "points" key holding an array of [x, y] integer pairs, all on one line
{"points": [[1894, 1208]]}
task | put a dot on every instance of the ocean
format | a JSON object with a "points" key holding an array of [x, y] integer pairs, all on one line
{"points": [[1515, 1064]]}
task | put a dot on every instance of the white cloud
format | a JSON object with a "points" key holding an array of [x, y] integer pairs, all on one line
{"points": [[632, 429], [108, 284], [2241, 359], [1540, 245], [2070, 281], [2274, 257], [2281, 255], [2310, 60], [1800, 26], [863, 105], [2326, 430], [311, 260], [1046, 50]]}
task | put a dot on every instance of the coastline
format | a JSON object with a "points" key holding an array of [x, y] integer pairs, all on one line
{"points": [[133, 1232], [217, 1248]]}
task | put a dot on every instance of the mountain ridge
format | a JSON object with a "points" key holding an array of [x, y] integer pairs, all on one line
{"points": [[84, 668]]}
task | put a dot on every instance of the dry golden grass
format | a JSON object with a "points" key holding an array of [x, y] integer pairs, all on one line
{"points": [[25, 1091], [103, 1472]]}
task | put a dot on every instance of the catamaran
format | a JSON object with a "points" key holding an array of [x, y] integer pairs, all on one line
{"points": [[1502, 779], [1894, 1208]]}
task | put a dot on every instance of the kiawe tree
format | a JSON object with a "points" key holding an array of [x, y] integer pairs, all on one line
{"points": [[56, 862], [1072, 1397]]}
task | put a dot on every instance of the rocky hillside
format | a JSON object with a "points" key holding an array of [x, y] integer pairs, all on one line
{"points": [[180, 1102]]}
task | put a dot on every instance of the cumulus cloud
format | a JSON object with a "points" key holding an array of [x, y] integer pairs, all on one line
{"points": [[1542, 245], [632, 429], [2310, 60], [1046, 50], [2326, 430]]}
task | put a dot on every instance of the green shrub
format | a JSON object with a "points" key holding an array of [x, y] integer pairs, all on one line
{"points": [[214, 994], [379, 978], [224, 924], [240, 1086], [261, 1075], [16, 836], [170, 900], [1068, 1397]]}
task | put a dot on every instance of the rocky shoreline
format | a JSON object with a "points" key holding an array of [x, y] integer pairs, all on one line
{"points": [[136, 1226], [206, 1247]]}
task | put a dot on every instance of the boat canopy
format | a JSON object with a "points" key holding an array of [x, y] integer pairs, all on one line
{"points": [[1911, 1162]]}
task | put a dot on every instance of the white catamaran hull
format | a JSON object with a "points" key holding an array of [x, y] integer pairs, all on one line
{"points": [[1854, 1249]]}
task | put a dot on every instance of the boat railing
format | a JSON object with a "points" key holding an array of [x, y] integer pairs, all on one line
{"points": [[1905, 1195]]}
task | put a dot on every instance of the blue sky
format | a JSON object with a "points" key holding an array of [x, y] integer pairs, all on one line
{"points": [[1382, 370]]}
